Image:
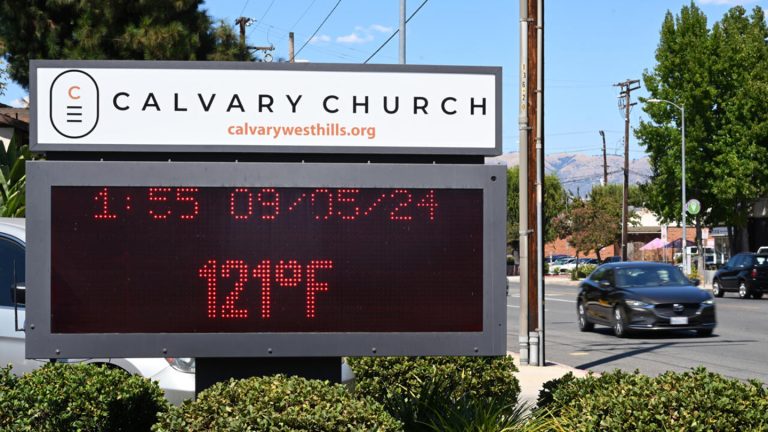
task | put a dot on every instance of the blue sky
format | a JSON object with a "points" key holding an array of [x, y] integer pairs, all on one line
{"points": [[590, 45]]}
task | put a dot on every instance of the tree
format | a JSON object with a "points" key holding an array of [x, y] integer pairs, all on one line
{"points": [[596, 222], [720, 76], [116, 29], [554, 204]]}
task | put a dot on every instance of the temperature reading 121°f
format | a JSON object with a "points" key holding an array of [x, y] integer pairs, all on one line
{"points": [[264, 204]]}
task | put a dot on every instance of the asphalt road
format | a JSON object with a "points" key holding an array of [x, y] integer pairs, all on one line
{"points": [[738, 348]]}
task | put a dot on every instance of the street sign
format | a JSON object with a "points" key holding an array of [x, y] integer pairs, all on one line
{"points": [[206, 259], [693, 206], [238, 107]]}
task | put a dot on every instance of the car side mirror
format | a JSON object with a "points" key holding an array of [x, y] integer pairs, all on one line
{"points": [[605, 284], [695, 282], [19, 294]]}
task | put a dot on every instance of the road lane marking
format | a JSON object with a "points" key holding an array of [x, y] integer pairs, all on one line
{"points": [[550, 299], [579, 353], [559, 300]]}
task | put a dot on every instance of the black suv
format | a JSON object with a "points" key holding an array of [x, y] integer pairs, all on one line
{"points": [[745, 273]]}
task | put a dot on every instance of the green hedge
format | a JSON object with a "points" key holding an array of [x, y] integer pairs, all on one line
{"points": [[80, 397], [276, 403], [582, 271], [618, 401], [417, 390]]}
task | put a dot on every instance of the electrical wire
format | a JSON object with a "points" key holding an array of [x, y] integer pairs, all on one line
{"points": [[244, 6], [395, 32], [262, 16], [302, 15], [316, 30]]}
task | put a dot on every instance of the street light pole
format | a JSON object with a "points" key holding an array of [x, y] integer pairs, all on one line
{"points": [[683, 238]]}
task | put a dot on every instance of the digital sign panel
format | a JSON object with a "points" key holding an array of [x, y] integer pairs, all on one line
{"points": [[258, 259], [266, 259]]}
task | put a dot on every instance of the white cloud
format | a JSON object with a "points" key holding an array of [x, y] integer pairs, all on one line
{"points": [[320, 39], [363, 34], [20, 103], [354, 38], [380, 28], [726, 2]]}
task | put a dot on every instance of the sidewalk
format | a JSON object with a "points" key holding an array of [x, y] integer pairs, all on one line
{"points": [[532, 378], [560, 280]]}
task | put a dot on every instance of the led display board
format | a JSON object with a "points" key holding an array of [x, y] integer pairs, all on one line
{"points": [[132, 259], [94, 106]]}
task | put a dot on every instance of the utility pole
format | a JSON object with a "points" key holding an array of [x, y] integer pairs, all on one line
{"points": [[605, 161], [523, 190], [402, 31], [627, 87], [243, 22], [540, 177], [290, 46], [531, 183]]}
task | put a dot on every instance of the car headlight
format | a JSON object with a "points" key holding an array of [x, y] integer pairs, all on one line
{"points": [[708, 301], [182, 364], [637, 304]]}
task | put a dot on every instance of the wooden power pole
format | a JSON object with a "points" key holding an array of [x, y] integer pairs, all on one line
{"points": [[290, 47], [605, 161], [625, 102]]}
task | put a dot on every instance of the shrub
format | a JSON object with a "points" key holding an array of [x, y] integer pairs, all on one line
{"points": [[276, 403], [415, 390], [81, 397], [696, 400], [582, 271]]}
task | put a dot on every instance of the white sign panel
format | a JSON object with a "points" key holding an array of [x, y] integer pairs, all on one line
{"points": [[247, 107]]}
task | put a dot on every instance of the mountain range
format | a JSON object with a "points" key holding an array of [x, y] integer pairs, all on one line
{"points": [[579, 172]]}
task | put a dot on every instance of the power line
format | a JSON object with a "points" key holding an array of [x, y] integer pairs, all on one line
{"points": [[317, 29], [395, 32], [302, 15], [262, 16], [244, 6]]}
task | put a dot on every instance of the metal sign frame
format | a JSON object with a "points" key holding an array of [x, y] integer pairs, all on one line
{"points": [[41, 343], [75, 65]]}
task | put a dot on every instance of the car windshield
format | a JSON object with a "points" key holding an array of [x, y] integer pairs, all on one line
{"points": [[649, 276]]}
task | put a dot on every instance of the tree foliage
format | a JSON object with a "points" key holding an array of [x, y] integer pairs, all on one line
{"points": [[554, 204], [597, 221], [720, 77], [115, 29]]}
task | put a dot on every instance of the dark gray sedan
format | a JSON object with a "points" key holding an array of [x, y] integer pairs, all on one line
{"points": [[633, 296]]}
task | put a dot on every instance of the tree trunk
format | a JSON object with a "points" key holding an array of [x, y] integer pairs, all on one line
{"points": [[743, 239], [731, 241]]}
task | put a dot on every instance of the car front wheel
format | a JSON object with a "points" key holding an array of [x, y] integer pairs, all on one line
{"points": [[619, 322], [704, 332], [717, 290], [584, 324], [743, 290]]}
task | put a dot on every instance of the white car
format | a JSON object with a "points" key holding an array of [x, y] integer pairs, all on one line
{"points": [[555, 267], [570, 266], [174, 375]]}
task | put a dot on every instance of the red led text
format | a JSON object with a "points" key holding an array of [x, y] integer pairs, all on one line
{"points": [[237, 274], [266, 204]]}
